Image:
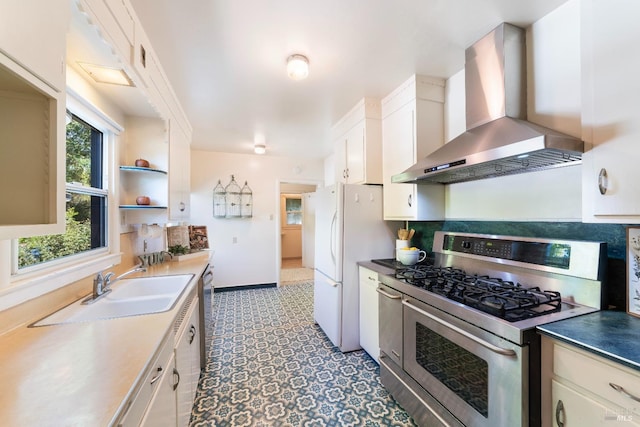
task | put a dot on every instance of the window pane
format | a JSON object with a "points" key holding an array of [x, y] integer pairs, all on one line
{"points": [[86, 214], [79, 153], [76, 239], [293, 205], [294, 218]]}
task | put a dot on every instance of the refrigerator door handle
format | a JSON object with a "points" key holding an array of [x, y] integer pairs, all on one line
{"points": [[333, 235]]}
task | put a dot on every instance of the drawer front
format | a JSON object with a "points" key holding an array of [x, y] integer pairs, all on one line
{"points": [[574, 409], [596, 374]]}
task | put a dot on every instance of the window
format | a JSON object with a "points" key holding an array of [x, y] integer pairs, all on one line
{"points": [[86, 197], [292, 209]]}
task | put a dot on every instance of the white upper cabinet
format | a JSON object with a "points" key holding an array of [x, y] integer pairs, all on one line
{"points": [[358, 144], [611, 117], [32, 114], [32, 33], [179, 172], [412, 127]]}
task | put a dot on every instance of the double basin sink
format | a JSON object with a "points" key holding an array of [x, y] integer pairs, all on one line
{"points": [[128, 297]]}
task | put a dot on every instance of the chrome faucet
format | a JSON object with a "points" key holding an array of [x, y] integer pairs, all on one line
{"points": [[102, 283]]}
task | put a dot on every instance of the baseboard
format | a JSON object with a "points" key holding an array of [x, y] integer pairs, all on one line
{"points": [[244, 287]]}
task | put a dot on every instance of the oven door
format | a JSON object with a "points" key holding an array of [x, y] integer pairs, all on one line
{"points": [[480, 378]]}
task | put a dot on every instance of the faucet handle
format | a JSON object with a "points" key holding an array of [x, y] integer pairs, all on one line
{"points": [[107, 278]]}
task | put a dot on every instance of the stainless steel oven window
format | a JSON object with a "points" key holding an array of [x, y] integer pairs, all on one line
{"points": [[464, 373]]}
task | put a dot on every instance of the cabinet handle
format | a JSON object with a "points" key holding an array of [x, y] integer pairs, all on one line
{"points": [[560, 414], [603, 181], [410, 200], [371, 278], [182, 206], [621, 389], [192, 333], [388, 295], [395, 353], [176, 374], [157, 377]]}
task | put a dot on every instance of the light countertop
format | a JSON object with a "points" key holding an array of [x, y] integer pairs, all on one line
{"points": [[81, 374]]}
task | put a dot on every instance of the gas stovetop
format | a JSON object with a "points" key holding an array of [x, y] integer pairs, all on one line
{"points": [[502, 298], [503, 284]]}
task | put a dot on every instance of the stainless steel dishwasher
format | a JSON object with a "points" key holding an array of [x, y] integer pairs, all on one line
{"points": [[205, 298]]}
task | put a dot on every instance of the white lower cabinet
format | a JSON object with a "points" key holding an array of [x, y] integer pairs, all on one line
{"points": [[166, 395], [160, 371], [162, 408], [187, 354], [582, 389], [369, 340]]}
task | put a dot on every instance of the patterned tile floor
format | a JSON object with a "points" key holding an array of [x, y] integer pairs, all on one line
{"points": [[271, 365]]}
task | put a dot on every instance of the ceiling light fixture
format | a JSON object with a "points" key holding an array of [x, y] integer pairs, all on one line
{"points": [[259, 146], [100, 74], [297, 67]]}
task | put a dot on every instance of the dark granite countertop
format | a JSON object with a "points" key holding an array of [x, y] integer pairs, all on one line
{"points": [[610, 334]]}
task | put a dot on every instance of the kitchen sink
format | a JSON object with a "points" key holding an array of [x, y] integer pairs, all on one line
{"points": [[128, 297]]}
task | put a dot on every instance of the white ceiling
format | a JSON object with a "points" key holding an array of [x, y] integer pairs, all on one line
{"points": [[226, 59]]}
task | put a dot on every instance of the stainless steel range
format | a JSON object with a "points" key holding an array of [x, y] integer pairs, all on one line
{"points": [[457, 338]]}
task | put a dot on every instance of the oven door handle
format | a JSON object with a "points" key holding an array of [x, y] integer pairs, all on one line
{"points": [[386, 294], [488, 345]]}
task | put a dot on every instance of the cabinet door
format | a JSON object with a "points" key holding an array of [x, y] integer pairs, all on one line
{"points": [[179, 173], [188, 364], [32, 152], [355, 149], [162, 408], [340, 155], [398, 152], [611, 90], [573, 409], [33, 32], [369, 340]]}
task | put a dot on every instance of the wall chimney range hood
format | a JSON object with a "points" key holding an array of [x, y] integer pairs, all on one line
{"points": [[498, 141]]}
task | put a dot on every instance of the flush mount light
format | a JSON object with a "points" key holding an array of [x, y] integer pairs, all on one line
{"points": [[100, 74], [297, 67], [259, 146]]}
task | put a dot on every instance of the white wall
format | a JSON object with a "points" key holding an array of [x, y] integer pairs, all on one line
{"points": [[553, 55], [254, 257]]}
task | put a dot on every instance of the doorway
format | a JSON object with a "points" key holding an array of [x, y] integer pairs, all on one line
{"points": [[297, 230]]}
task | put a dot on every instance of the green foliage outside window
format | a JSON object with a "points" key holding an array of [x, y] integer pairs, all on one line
{"points": [[38, 249]]}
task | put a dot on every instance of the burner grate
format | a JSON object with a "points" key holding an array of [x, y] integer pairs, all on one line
{"points": [[501, 298]]}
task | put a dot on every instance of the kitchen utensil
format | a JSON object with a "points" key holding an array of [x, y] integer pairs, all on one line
{"points": [[411, 233]]}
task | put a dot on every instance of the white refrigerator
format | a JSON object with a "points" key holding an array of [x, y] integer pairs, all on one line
{"points": [[349, 228]]}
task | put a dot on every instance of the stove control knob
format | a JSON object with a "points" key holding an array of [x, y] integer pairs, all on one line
{"points": [[466, 244]]}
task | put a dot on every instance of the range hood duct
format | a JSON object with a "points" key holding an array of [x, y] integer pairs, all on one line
{"points": [[498, 141]]}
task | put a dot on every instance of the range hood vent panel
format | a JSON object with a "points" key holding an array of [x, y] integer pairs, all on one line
{"points": [[498, 141]]}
